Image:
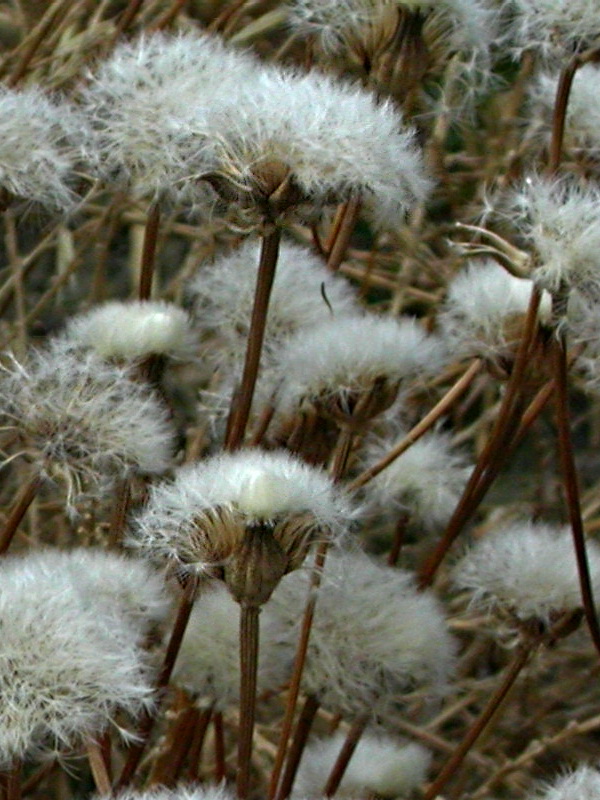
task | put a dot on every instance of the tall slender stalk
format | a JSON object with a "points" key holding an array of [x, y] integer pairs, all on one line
{"points": [[249, 643], [149, 252], [301, 734], [19, 508], [264, 284], [339, 768]]}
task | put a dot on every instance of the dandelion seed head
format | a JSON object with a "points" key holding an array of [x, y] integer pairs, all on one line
{"points": [[581, 783], [484, 311], [554, 28], [37, 151], [380, 766], [526, 568], [132, 330], [426, 480], [83, 421], [180, 792], [374, 636], [66, 669], [347, 356]]}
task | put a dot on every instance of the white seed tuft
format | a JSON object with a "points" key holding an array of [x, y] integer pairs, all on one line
{"points": [[132, 330], [374, 636], [528, 569], [582, 783], [380, 766]]}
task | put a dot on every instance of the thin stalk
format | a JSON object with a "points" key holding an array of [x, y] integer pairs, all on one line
{"points": [[343, 759], [12, 781], [220, 764], [177, 745], [399, 536], [343, 233], [120, 510], [571, 485], [126, 18], [256, 334], [341, 453], [147, 723], [249, 636], [559, 115], [505, 425], [169, 15], [149, 252], [299, 660], [480, 724], [47, 24], [301, 734], [447, 401], [99, 768], [22, 502], [197, 744]]}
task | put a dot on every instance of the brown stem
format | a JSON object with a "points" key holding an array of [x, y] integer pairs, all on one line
{"points": [[249, 635], [169, 15], [47, 24], [341, 454], [300, 658], [120, 509], [221, 20], [301, 734], [220, 765], [177, 745], [149, 251], [147, 723], [264, 284], [126, 18], [478, 727], [571, 487], [399, 535], [12, 781], [22, 502], [197, 744], [421, 428], [343, 233], [99, 768], [343, 759], [499, 438]]}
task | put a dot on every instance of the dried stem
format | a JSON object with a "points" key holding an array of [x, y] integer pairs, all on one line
{"points": [[149, 252], [264, 283], [22, 502], [99, 767], [249, 636], [571, 487], [480, 724], [343, 759], [343, 233], [504, 428], [301, 734], [197, 743], [447, 401], [147, 723], [220, 764], [399, 536]]}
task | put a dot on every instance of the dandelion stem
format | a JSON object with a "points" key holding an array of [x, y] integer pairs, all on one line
{"points": [[343, 233], [197, 743], [571, 487], [493, 452], [264, 283], [23, 500], [249, 636], [300, 658], [149, 252], [447, 401], [480, 724], [220, 765], [99, 767], [399, 536], [301, 734], [343, 759], [147, 723]]}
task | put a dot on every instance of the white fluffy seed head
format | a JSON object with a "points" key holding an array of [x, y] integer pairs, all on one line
{"points": [[342, 358], [180, 792], [37, 152], [126, 589], [380, 766], [148, 106], [132, 330], [581, 783], [528, 569], [426, 480], [328, 138], [84, 421], [484, 311], [553, 28], [210, 513], [561, 221], [223, 294], [582, 129], [66, 668], [208, 663], [374, 636]]}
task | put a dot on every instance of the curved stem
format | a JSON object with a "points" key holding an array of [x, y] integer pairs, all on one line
{"points": [[249, 636], [264, 283]]}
